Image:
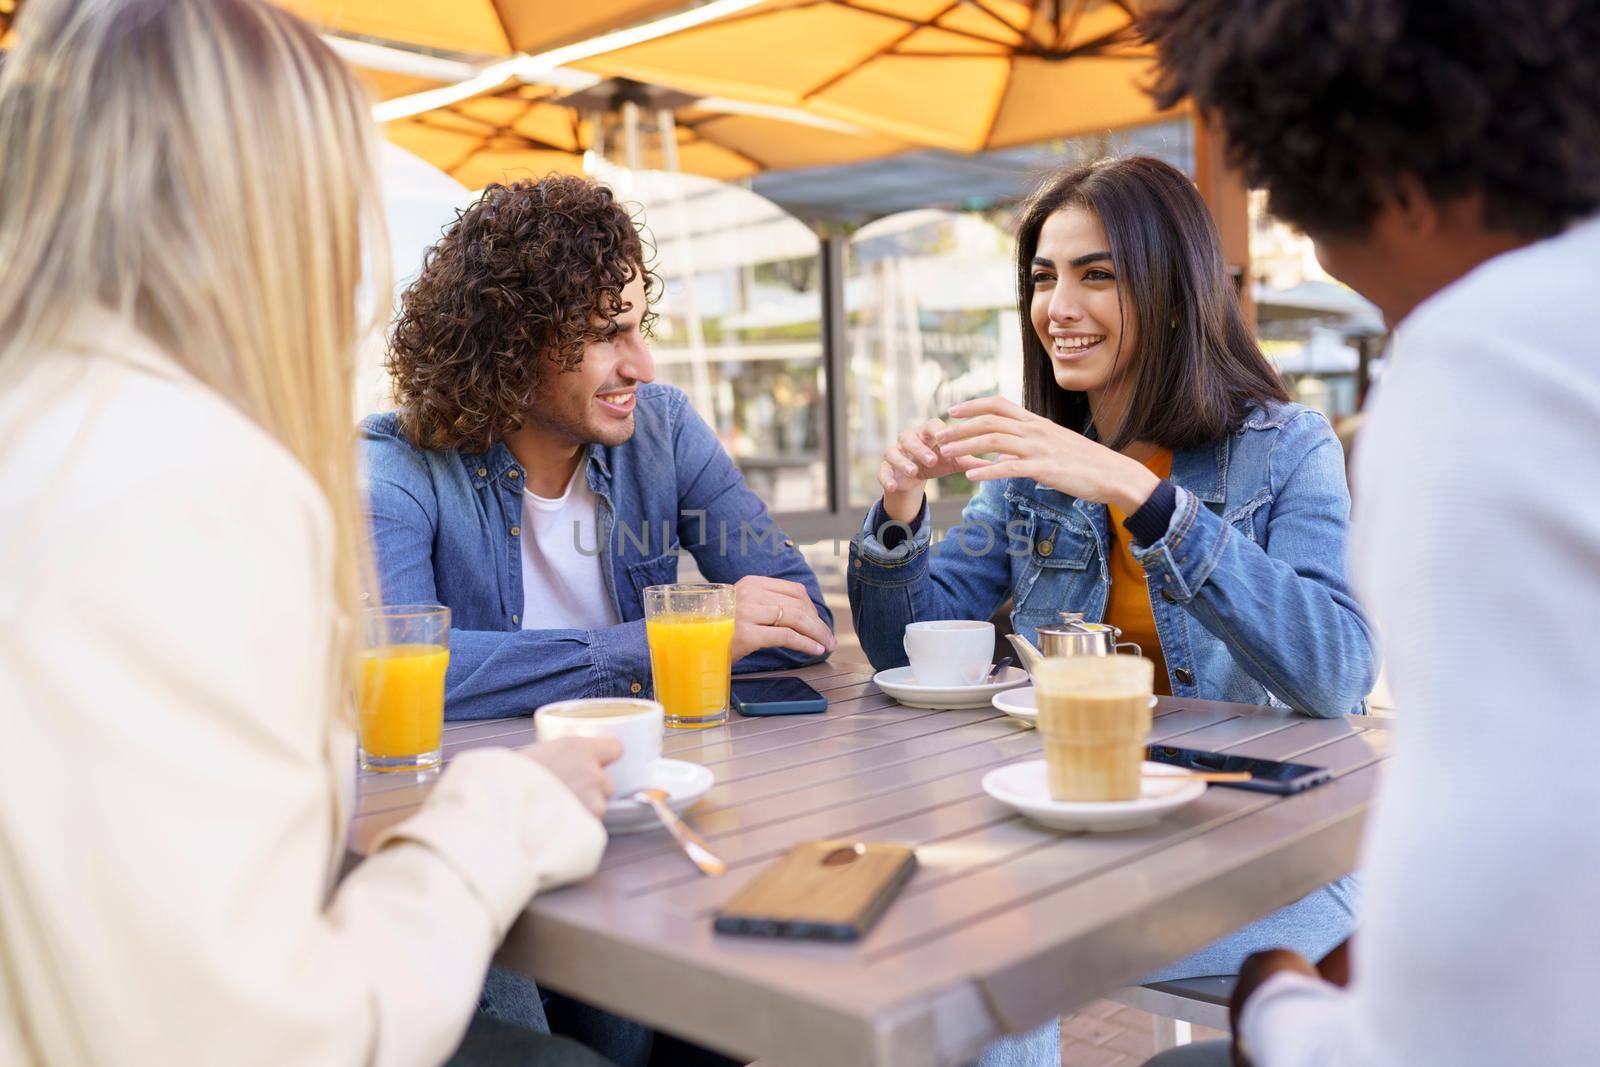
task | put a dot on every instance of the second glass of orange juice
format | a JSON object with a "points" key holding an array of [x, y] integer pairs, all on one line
{"points": [[401, 688], [690, 628]]}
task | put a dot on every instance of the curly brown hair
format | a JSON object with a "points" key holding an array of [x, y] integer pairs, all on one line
{"points": [[521, 281]]}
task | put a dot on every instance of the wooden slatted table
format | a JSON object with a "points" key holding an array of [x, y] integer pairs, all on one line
{"points": [[1004, 925]]}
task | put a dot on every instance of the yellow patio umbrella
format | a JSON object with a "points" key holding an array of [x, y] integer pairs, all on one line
{"points": [[485, 27], [529, 130], [962, 74]]}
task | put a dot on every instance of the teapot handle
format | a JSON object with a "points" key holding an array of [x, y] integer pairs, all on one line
{"points": [[1137, 651]]}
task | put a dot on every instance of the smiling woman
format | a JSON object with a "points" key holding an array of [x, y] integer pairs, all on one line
{"points": [[1156, 479]]}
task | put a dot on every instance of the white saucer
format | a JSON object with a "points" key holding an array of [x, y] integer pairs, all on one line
{"points": [[684, 783], [899, 683], [1023, 703], [1023, 786]]}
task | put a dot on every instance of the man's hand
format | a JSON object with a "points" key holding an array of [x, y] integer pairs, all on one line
{"points": [[580, 764], [773, 613], [1256, 970]]}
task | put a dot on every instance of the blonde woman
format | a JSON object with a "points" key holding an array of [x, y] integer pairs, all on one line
{"points": [[185, 237]]}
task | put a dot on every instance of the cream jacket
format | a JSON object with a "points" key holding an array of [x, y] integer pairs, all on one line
{"points": [[175, 789]]}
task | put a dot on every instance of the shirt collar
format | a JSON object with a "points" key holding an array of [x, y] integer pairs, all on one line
{"points": [[492, 466]]}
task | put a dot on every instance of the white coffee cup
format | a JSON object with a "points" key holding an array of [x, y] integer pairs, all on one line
{"points": [[636, 723], [949, 652]]}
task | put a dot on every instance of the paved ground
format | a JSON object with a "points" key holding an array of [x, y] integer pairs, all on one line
{"points": [[1108, 1034]]}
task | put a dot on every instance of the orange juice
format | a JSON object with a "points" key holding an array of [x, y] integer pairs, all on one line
{"points": [[402, 699], [691, 657]]}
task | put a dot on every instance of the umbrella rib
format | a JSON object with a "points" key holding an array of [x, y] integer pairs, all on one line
{"points": [[912, 28], [758, 12], [1064, 33], [985, 9], [1121, 35], [929, 25], [999, 103], [741, 153], [491, 131]]}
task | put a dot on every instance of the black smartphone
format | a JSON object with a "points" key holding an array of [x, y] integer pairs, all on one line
{"points": [[1266, 775], [776, 696], [823, 890]]}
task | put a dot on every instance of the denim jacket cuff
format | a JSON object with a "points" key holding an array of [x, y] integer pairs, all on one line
{"points": [[873, 548], [1179, 564], [873, 564], [621, 657]]}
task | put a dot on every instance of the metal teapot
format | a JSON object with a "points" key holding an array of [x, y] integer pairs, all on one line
{"points": [[1072, 636]]}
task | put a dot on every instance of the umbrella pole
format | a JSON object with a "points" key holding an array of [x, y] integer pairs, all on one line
{"points": [[699, 376], [630, 134], [597, 143]]}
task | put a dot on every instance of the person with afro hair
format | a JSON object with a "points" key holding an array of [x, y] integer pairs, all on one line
{"points": [[1444, 156]]}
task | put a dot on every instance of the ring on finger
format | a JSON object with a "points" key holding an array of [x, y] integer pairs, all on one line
{"points": [[779, 619]]}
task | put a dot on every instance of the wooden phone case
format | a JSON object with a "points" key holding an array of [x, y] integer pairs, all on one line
{"points": [[830, 890]]}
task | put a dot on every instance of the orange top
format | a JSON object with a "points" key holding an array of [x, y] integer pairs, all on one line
{"points": [[1128, 603]]}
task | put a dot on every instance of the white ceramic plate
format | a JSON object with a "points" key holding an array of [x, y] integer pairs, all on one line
{"points": [[1023, 786], [684, 783], [1023, 703], [899, 683]]}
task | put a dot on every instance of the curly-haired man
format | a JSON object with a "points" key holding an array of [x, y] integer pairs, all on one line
{"points": [[1445, 157], [535, 481]]}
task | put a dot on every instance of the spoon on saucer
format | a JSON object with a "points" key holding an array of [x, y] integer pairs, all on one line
{"points": [[1000, 667], [693, 844]]}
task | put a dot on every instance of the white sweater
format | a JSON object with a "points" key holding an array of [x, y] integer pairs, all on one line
{"points": [[1477, 546], [175, 787]]}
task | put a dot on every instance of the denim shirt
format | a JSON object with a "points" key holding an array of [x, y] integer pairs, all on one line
{"points": [[446, 530], [1248, 586]]}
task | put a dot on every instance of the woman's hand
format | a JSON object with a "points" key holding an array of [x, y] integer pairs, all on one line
{"points": [[580, 763], [1031, 446], [775, 613], [909, 463]]}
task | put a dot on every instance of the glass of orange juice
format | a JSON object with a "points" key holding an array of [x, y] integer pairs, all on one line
{"points": [[690, 628], [401, 689]]}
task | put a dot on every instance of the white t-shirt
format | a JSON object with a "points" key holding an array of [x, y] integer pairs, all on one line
{"points": [[563, 584], [1477, 548]]}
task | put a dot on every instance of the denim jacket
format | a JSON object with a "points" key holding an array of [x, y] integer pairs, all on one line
{"points": [[446, 528], [1248, 586]]}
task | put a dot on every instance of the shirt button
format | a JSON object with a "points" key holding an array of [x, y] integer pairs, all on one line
{"points": [[1166, 594], [512, 473], [516, 618], [1184, 675], [483, 472], [516, 531], [1045, 548], [635, 688]]}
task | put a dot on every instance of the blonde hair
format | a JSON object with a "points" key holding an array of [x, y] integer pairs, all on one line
{"points": [[204, 168]]}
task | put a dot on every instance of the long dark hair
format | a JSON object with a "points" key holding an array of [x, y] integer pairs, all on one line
{"points": [[1197, 370]]}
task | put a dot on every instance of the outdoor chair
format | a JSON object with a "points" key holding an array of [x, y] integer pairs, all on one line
{"points": [[1179, 1004]]}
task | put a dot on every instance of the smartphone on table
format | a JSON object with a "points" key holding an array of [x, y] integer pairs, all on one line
{"points": [[821, 890], [1266, 776], [776, 696]]}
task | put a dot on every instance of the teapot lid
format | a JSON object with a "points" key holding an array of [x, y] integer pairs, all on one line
{"points": [[1072, 622]]}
